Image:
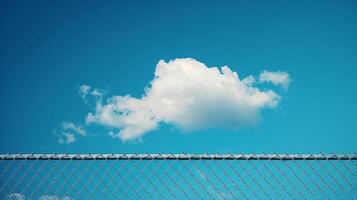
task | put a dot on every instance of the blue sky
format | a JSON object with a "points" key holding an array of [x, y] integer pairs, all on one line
{"points": [[49, 49]]}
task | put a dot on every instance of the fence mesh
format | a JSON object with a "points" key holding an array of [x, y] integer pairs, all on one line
{"points": [[159, 176]]}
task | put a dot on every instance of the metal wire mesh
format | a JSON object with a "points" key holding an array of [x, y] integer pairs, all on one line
{"points": [[173, 176]]}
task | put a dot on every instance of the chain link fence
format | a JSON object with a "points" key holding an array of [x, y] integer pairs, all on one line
{"points": [[176, 176]]}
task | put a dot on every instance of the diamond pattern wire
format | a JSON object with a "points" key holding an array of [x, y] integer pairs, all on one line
{"points": [[177, 176]]}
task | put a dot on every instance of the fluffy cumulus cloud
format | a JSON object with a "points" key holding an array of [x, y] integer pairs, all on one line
{"points": [[190, 95], [69, 132]]}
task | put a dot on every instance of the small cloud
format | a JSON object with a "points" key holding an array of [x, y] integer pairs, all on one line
{"points": [[69, 132], [83, 91], [18, 196], [190, 95], [276, 78], [53, 197], [69, 126], [97, 93], [66, 138], [15, 196]]}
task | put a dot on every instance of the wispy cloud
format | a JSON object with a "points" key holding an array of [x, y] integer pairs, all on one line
{"points": [[190, 95], [66, 138], [15, 196], [69, 126], [53, 197], [85, 90], [69, 132], [19, 196], [276, 78]]}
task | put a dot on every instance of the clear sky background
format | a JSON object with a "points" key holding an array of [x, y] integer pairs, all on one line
{"points": [[49, 48]]}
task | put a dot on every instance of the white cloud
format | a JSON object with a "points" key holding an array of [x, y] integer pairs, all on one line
{"points": [[15, 196], [69, 132], [189, 95], [69, 126], [53, 197], [249, 80], [66, 138], [18, 196], [276, 78], [83, 91], [96, 93]]}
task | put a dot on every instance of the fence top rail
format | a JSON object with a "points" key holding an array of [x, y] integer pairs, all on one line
{"points": [[178, 156]]}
